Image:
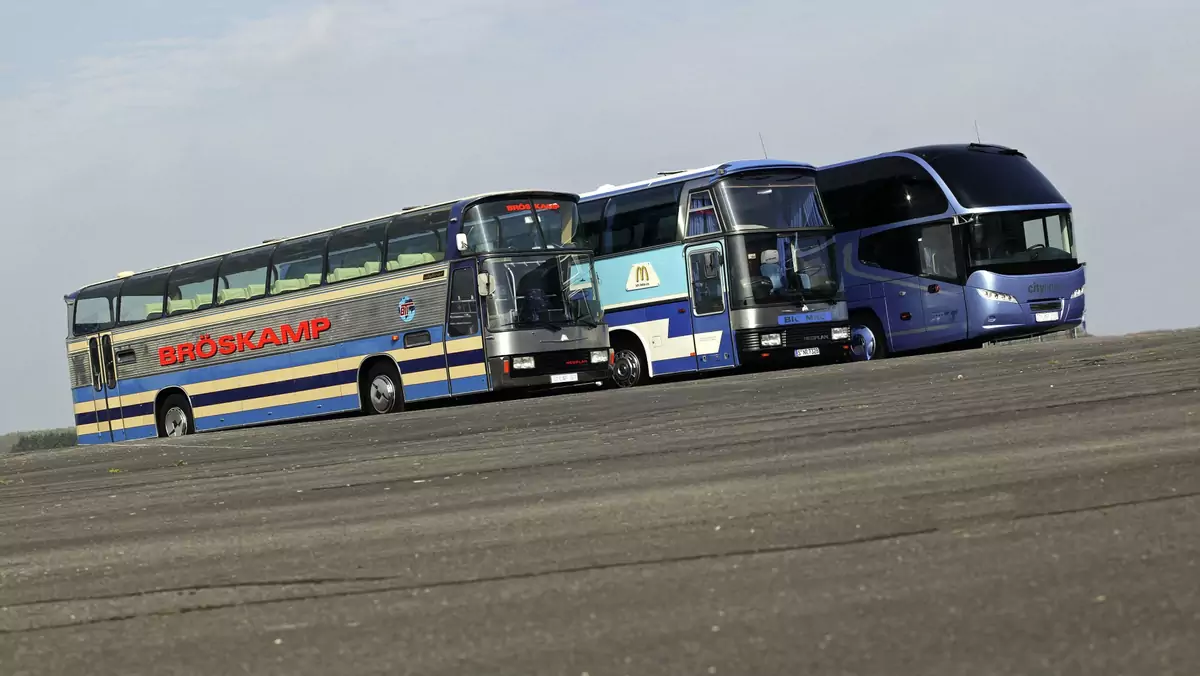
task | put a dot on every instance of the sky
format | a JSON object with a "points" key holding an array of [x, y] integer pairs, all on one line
{"points": [[136, 133]]}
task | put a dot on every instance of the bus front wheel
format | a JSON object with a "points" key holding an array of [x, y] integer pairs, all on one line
{"points": [[867, 341], [629, 366]]}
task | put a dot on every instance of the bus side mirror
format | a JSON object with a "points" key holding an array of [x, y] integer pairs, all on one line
{"points": [[460, 240], [484, 281]]}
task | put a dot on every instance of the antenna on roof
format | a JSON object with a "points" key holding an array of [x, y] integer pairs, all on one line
{"points": [[977, 139], [763, 144]]}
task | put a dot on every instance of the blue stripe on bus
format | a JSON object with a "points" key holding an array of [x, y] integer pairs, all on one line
{"points": [[131, 411], [677, 313], [97, 438], [432, 390], [275, 413], [143, 432], [353, 348], [272, 389], [423, 364], [464, 358], [470, 384], [675, 365]]}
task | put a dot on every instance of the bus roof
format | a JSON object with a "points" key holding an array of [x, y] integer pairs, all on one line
{"points": [[435, 205], [928, 152], [666, 178]]}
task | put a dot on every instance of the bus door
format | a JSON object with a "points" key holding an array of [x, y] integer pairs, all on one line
{"points": [[102, 362], [944, 304], [465, 357], [708, 288]]}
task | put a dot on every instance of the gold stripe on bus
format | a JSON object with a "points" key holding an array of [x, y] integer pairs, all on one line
{"points": [[468, 370], [283, 304], [423, 377], [464, 344], [240, 406], [85, 407], [90, 428], [140, 421]]}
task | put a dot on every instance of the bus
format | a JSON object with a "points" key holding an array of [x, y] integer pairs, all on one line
{"points": [[952, 246], [714, 268], [435, 302]]}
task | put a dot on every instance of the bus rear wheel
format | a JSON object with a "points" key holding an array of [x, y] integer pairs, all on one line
{"points": [[380, 389], [175, 417]]}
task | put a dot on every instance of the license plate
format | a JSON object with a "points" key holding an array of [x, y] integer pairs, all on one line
{"points": [[1046, 317], [808, 352], [564, 378]]}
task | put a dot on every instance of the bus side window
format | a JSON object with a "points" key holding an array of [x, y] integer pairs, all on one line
{"points": [[464, 307], [937, 251], [702, 216], [893, 250]]}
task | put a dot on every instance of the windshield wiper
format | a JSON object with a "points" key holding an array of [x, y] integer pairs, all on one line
{"points": [[585, 320]]}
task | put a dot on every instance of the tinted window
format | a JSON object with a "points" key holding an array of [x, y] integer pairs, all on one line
{"points": [[142, 297], [298, 264], [988, 178], [591, 225], [190, 287], [708, 291], [243, 276], [464, 309], [356, 251], [702, 214], [879, 191], [893, 250], [641, 219], [95, 308], [417, 239]]}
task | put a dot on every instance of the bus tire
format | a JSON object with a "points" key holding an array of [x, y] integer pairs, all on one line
{"points": [[380, 389], [175, 417], [867, 339], [630, 367]]}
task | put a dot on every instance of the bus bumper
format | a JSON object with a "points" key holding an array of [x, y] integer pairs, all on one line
{"points": [[550, 369], [794, 344]]}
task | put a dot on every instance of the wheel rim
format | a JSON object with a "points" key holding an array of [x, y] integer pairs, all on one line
{"points": [[175, 422], [383, 394], [627, 368], [862, 344]]}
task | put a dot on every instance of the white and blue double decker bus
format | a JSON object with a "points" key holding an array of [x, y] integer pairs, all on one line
{"points": [[952, 246], [713, 268], [436, 302]]}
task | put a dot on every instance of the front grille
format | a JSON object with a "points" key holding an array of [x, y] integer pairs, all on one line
{"points": [[1046, 306], [565, 361], [792, 336]]}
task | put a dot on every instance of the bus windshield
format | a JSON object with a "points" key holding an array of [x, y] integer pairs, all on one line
{"points": [[1006, 241], [519, 225], [542, 292], [775, 202], [785, 267]]}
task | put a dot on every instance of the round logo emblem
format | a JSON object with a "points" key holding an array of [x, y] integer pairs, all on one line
{"points": [[407, 308]]}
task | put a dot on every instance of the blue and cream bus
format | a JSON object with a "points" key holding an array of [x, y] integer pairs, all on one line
{"points": [[952, 246], [434, 302], [714, 268]]}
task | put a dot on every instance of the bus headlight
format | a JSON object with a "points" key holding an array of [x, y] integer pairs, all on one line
{"points": [[1078, 292], [771, 340], [840, 333], [599, 356], [522, 362], [996, 296]]}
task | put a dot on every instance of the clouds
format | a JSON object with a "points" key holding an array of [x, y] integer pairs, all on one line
{"points": [[170, 147]]}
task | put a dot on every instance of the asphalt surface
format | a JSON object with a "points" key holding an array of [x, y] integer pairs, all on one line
{"points": [[1029, 509]]}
